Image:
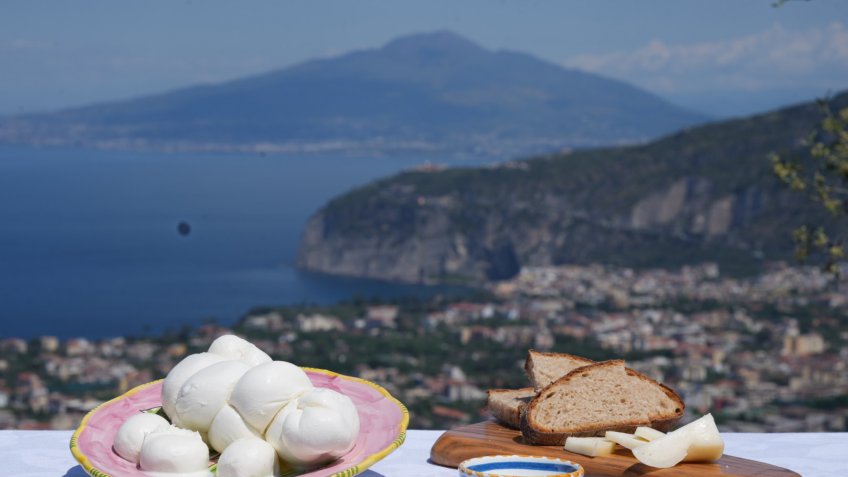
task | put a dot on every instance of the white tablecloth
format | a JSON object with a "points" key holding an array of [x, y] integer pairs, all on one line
{"points": [[46, 454]]}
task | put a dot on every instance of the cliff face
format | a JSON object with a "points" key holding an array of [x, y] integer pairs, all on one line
{"points": [[444, 238], [703, 194]]}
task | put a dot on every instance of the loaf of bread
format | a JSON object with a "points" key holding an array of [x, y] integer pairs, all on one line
{"points": [[596, 398], [506, 405], [544, 368]]}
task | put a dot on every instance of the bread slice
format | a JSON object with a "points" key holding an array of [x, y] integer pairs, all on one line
{"points": [[544, 368], [506, 404], [596, 398]]}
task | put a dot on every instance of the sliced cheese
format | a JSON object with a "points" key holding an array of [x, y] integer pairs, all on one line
{"points": [[698, 441], [589, 446], [624, 439], [648, 433], [707, 444], [667, 451]]}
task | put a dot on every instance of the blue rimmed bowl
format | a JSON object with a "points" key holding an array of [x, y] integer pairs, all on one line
{"points": [[519, 466]]}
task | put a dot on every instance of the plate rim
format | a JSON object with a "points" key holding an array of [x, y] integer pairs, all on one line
{"points": [[366, 463], [464, 466]]}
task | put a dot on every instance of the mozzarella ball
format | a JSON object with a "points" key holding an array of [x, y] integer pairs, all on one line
{"points": [[249, 457], [174, 450], [265, 389], [206, 392], [233, 347], [320, 426], [228, 427], [132, 432], [179, 375]]}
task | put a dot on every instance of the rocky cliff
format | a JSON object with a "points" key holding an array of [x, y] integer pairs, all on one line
{"points": [[701, 194]]}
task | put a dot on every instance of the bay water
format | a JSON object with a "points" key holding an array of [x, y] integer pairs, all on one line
{"points": [[91, 243]]}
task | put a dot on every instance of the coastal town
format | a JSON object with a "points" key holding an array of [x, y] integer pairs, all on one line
{"points": [[763, 354]]}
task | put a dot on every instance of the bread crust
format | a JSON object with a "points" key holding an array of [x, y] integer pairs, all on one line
{"points": [[539, 438], [529, 363], [508, 412], [536, 433]]}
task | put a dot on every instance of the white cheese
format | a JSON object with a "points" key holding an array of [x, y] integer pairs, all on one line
{"points": [[648, 433], [131, 434], [249, 457], [623, 439], [179, 375], [233, 347], [265, 389], [590, 446], [707, 444], [320, 426], [228, 427], [174, 451], [206, 392], [698, 441], [667, 451]]}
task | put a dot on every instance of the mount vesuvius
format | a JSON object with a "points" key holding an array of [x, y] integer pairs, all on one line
{"points": [[435, 92]]}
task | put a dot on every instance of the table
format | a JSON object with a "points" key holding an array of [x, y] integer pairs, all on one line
{"points": [[46, 454]]}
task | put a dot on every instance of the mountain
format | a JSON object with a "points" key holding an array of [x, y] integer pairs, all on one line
{"points": [[431, 92], [706, 193]]}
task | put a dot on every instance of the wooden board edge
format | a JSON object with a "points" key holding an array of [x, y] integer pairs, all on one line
{"points": [[452, 447]]}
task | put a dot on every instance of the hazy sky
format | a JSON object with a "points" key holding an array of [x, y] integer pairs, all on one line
{"points": [[721, 56]]}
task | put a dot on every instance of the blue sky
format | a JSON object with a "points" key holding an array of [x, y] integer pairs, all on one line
{"points": [[723, 57]]}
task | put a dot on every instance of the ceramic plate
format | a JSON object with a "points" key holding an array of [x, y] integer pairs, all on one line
{"points": [[519, 466], [383, 427]]}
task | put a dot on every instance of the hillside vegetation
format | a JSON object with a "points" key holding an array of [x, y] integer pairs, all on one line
{"points": [[706, 193]]}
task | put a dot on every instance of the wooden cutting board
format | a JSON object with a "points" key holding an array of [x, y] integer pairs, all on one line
{"points": [[491, 438]]}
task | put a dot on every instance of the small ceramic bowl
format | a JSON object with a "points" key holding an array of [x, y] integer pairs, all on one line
{"points": [[519, 466]]}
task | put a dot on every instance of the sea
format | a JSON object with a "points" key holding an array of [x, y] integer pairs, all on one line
{"points": [[101, 243]]}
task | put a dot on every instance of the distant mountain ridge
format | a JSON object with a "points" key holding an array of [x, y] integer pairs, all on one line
{"points": [[430, 92], [703, 194]]}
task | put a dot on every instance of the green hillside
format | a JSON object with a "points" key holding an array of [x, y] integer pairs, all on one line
{"points": [[705, 193]]}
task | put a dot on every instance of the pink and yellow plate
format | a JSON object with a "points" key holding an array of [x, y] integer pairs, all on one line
{"points": [[383, 427]]}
